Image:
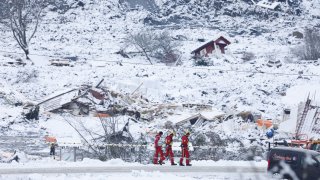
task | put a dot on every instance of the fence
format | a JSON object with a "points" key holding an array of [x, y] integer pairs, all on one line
{"points": [[144, 153]]}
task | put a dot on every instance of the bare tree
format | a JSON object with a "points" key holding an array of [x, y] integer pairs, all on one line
{"points": [[22, 17], [166, 48], [143, 41], [110, 143], [160, 46]]}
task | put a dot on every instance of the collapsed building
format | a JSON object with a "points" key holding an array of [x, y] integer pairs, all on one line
{"points": [[88, 101]]}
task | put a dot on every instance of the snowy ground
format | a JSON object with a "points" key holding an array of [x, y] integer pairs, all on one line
{"points": [[199, 170], [140, 175], [159, 82]]}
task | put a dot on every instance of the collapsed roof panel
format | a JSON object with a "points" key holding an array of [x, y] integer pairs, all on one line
{"points": [[58, 99], [211, 115], [205, 115]]}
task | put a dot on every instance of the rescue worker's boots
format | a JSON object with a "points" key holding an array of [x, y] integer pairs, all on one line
{"points": [[189, 165], [173, 164], [161, 162], [181, 164]]}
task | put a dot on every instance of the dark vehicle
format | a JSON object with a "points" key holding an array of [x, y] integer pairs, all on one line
{"points": [[294, 163]]}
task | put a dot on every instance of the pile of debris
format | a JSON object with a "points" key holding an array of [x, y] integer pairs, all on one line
{"points": [[94, 101], [60, 62]]}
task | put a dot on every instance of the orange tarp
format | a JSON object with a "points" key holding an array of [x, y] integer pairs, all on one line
{"points": [[50, 139], [266, 123]]}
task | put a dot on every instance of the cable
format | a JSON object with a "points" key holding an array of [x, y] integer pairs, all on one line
{"points": [[199, 68], [143, 145]]}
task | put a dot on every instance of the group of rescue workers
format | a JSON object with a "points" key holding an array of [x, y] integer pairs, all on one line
{"points": [[158, 149], [169, 152]]}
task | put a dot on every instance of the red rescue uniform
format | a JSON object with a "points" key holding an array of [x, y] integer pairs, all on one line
{"points": [[158, 150], [169, 148], [185, 150]]}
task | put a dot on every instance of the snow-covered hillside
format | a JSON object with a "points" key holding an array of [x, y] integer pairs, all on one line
{"points": [[92, 33]]}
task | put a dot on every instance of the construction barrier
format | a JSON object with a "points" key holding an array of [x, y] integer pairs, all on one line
{"points": [[50, 139]]}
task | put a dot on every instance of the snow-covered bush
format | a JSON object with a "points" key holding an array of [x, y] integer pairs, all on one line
{"points": [[168, 125], [252, 152], [155, 45], [200, 140], [166, 48], [247, 56], [203, 61], [26, 75]]}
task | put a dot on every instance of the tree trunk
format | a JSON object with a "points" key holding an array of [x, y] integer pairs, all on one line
{"points": [[146, 54], [26, 52]]}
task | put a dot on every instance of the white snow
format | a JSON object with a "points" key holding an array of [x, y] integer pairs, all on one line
{"points": [[299, 93], [136, 174]]}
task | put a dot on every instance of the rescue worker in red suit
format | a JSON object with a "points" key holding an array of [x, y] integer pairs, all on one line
{"points": [[158, 150], [185, 149], [169, 141]]}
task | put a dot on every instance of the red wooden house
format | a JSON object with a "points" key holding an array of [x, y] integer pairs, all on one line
{"points": [[212, 46]]}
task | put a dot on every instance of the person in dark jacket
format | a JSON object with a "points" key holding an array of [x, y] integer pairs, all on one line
{"points": [[53, 150]]}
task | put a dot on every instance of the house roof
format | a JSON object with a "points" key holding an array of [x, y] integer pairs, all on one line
{"points": [[219, 40]]}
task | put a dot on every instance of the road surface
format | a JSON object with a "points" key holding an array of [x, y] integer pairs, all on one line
{"points": [[128, 169]]}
